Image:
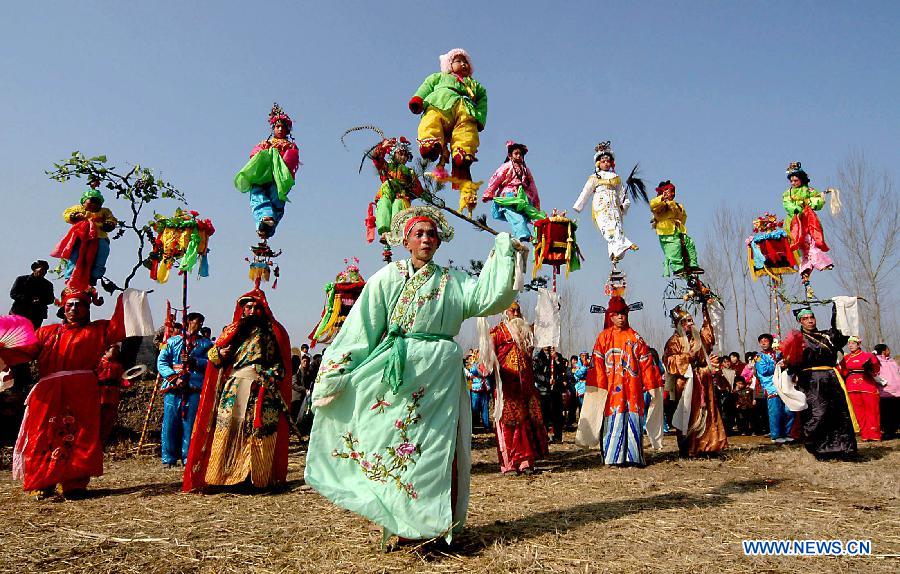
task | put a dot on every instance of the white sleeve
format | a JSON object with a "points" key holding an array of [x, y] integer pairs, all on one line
{"points": [[585, 196]]}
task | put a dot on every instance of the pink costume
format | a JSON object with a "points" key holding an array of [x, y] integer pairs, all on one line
{"points": [[506, 181]]}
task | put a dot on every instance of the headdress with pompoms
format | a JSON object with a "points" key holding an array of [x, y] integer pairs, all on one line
{"points": [[767, 222], [398, 145], [277, 114], [604, 149], [401, 221], [793, 169]]}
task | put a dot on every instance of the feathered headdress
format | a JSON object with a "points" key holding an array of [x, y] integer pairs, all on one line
{"points": [[277, 114], [398, 145]]}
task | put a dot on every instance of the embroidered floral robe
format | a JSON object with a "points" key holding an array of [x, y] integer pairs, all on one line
{"points": [[389, 454], [624, 367], [609, 203], [521, 433], [59, 440]]}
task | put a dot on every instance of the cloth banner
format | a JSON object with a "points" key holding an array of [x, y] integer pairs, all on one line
{"points": [[847, 315], [717, 321], [138, 318], [546, 319], [793, 398]]}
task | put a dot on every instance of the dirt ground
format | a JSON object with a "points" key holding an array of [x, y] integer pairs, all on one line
{"points": [[574, 516]]}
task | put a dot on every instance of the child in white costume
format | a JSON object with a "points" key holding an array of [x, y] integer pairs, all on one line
{"points": [[609, 200]]}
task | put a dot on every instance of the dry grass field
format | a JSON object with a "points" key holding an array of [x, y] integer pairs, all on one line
{"points": [[574, 516]]}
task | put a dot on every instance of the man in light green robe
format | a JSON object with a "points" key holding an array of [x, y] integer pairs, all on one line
{"points": [[386, 446]]}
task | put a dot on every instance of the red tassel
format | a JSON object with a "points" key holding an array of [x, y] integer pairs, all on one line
{"points": [[792, 348]]}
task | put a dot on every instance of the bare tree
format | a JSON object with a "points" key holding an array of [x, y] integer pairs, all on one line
{"points": [[865, 239], [652, 326], [572, 311]]}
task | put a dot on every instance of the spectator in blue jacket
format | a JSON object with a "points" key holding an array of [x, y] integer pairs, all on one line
{"points": [[181, 368], [781, 419]]}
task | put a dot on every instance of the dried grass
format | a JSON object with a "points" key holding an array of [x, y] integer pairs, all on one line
{"points": [[575, 516]]}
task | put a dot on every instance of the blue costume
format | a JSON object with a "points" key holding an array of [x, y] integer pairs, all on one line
{"points": [[781, 419], [180, 407], [481, 397], [580, 376]]}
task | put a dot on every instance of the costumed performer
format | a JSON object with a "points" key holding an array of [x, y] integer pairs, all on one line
{"points": [[241, 430], [613, 414], [514, 193], [399, 185], [110, 382], [668, 220], [454, 109], [811, 355], [609, 201], [859, 370], [802, 224], [521, 434], [59, 441], [391, 436], [86, 246], [481, 388], [269, 175], [690, 365], [182, 365]]}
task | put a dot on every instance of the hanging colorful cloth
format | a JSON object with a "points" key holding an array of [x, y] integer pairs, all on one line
{"points": [[183, 237], [340, 295], [769, 252], [555, 243]]}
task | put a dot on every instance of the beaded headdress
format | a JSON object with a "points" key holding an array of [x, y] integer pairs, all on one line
{"points": [[277, 114], [604, 149], [793, 168], [398, 223]]}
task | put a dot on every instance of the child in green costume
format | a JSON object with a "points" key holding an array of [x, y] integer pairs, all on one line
{"points": [[668, 220]]}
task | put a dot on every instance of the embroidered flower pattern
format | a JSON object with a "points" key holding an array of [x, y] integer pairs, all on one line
{"points": [[330, 367], [379, 405], [62, 438], [387, 468], [408, 305]]}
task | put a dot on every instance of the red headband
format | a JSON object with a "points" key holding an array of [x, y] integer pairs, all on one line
{"points": [[414, 220], [663, 188]]}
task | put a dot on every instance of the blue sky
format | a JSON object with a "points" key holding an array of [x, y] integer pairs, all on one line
{"points": [[717, 96]]}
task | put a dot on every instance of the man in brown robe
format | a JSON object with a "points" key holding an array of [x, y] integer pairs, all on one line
{"points": [[690, 367]]}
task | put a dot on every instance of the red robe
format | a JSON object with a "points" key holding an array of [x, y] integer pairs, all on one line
{"points": [[205, 423], [859, 370], [521, 434], [59, 441], [82, 233]]}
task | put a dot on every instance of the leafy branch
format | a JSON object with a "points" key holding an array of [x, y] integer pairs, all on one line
{"points": [[139, 186]]}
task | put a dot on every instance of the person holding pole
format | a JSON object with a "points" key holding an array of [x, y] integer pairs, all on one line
{"points": [[181, 365]]}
